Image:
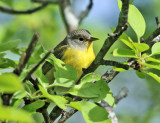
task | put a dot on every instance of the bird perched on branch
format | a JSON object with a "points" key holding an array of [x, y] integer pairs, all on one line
{"points": [[76, 50]]}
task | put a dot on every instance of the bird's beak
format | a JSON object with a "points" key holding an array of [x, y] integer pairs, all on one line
{"points": [[93, 39]]}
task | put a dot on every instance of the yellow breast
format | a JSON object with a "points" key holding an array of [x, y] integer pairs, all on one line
{"points": [[79, 59]]}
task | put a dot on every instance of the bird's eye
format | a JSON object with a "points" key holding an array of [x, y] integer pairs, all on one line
{"points": [[81, 39]]}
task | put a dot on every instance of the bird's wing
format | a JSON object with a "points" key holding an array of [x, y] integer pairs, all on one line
{"points": [[58, 52], [60, 49]]}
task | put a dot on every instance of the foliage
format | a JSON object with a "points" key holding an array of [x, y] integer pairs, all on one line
{"points": [[147, 61], [91, 88]]}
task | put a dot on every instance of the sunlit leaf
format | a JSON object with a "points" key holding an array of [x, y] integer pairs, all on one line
{"points": [[127, 41], [124, 53], [9, 83], [91, 112], [152, 66], [9, 45], [58, 100], [155, 76], [64, 74], [12, 114], [135, 19], [119, 69], [16, 102], [153, 60], [141, 47], [19, 94], [156, 48], [92, 87], [7, 63], [32, 107], [110, 99], [41, 77]]}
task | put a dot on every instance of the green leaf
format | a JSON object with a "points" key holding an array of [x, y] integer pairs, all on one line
{"points": [[16, 102], [91, 77], [9, 45], [151, 66], [127, 41], [2, 55], [92, 87], [34, 106], [152, 59], [156, 48], [124, 53], [9, 83], [155, 76], [29, 87], [58, 100], [140, 74], [135, 20], [19, 94], [64, 74], [110, 99], [8, 2], [43, 80], [119, 69], [141, 47], [7, 63], [12, 114], [91, 112]]}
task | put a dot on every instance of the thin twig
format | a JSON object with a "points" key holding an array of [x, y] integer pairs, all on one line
{"points": [[86, 12], [157, 21], [26, 55], [37, 65], [67, 115], [155, 37], [29, 11], [55, 113], [152, 36], [122, 94], [46, 116], [108, 76], [44, 1]]}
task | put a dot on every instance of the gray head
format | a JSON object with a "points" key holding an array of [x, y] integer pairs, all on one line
{"points": [[80, 39]]}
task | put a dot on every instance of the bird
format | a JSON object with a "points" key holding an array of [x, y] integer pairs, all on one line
{"points": [[76, 50]]}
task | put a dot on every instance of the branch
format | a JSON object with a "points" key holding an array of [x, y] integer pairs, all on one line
{"points": [[114, 63], [70, 20], [121, 27], [44, 112], [37, 65], [46, 1], [45, 116], [86, 12], [109, 76], [26, 55], [155, 36], [67, 115], [122, 94], [157, 21], [55, 113], [30, 11]]}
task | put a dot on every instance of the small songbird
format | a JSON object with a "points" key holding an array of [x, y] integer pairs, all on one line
{"points": [[77, 50]]}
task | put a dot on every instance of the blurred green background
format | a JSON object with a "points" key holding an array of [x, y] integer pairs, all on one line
{"points": [[142, 105]]}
